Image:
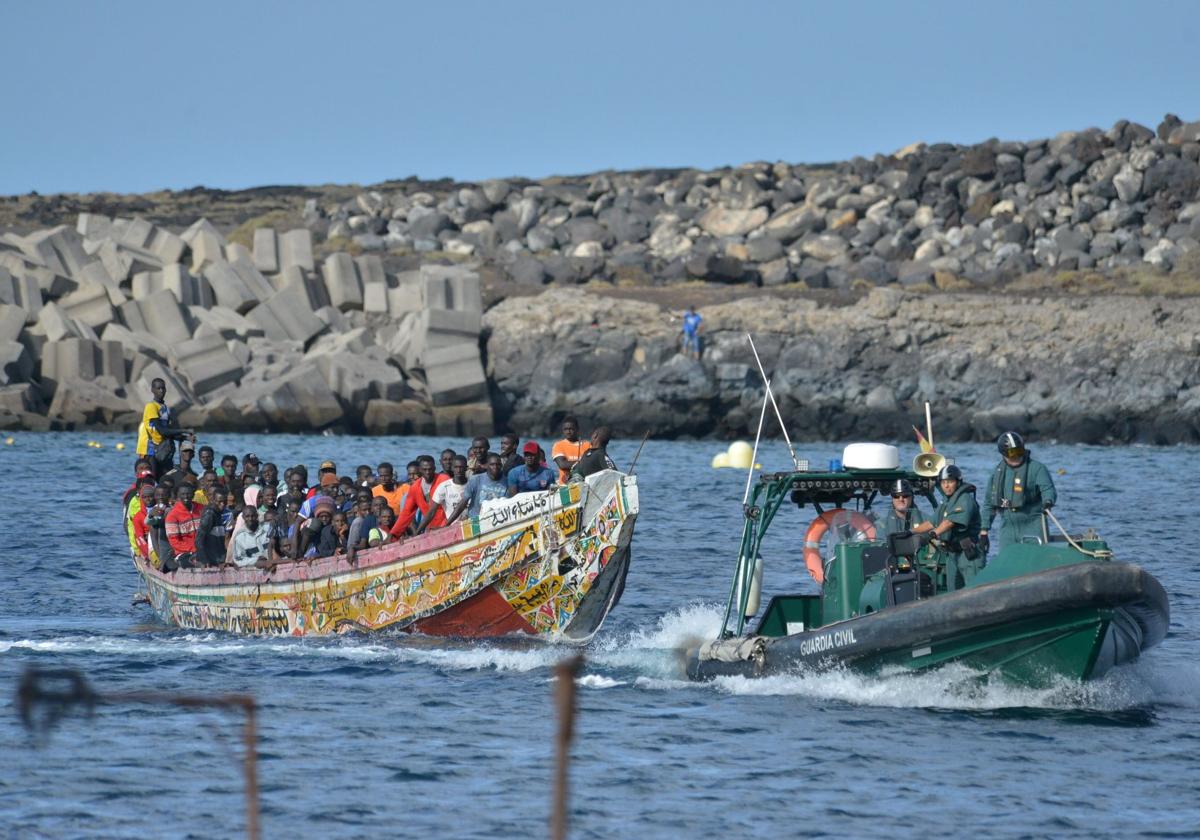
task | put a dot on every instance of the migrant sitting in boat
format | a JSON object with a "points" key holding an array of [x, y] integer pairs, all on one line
{"points": [[223, 516]]}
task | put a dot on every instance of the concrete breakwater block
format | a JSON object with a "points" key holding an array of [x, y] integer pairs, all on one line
{"points": [[94, 272], [22, 291], [407, 295], [403, 417], [360, 378], [12, 321], [21, 397], [89, 304], [231, 291], [301, 401], [287, 316], [466, 420], [259, 285], [55, 324], [188, 289], [135, 344], [16, 364], [206, 362], [224, 322], [159, 315], [454, 375], [450, 287], [295, 249], [87, 403], [266, 251], [342, 282], [80, 359]]}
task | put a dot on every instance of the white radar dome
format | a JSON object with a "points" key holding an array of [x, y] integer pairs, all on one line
{"points": [[871, 456]]}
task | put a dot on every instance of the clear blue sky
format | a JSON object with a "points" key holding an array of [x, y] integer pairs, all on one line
{"points": [[136, 96]]}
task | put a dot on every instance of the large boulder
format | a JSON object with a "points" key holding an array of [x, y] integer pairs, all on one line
{"points": [[721, 221]]}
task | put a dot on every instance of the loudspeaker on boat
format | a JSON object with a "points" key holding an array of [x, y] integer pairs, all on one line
{"points": [[929, 464]]}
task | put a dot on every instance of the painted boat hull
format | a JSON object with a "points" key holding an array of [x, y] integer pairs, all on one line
{"points": [[550, 565], [1074, 622]]}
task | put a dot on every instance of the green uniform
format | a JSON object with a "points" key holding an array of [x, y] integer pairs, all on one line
{"points": [[961, 509], [1018, 494], [893, 523]]}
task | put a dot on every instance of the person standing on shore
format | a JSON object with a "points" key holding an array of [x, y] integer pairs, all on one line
{"points": [[1020, 491], [692, 321]]}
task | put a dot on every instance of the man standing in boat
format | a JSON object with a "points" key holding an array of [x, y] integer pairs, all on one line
{"points": [[957, 529], [904, 514], [1020, 490], [157, 433]]}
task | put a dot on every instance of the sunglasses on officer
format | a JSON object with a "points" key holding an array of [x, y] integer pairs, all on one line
{"points": [[1015, 452], [902, 495]]}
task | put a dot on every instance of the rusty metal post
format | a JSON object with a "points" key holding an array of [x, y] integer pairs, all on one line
{"points": [[250, 735], [564, 701], [40, 687]]}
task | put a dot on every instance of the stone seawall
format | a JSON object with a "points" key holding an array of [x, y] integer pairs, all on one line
{"points": [[451, 308], [1107, 369]]}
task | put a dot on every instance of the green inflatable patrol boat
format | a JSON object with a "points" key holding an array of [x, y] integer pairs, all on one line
{"points": [[1038, 611]]}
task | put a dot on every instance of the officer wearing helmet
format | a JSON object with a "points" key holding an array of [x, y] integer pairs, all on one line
{"points": [[956, 525], [1019, 490], [904, 514]]}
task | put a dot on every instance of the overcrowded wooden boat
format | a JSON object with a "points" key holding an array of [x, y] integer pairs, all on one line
{"points": [[550, 564]]}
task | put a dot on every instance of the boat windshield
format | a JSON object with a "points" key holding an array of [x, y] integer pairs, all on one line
{"points": [[846, 526]]}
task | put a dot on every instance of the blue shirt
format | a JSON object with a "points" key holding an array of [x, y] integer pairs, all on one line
{"points": [[691, 322], [526, 481], [480, 489]]}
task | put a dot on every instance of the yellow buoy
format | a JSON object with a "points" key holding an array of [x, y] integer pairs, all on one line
{"points": [[9, 441], [721, 459], [120, 446], [741, 454]]}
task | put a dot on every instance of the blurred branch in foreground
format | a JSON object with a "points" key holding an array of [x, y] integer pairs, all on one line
{"points": [[45, 696]]}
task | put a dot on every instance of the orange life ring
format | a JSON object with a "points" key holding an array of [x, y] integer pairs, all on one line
{"points": [[819, 527]]}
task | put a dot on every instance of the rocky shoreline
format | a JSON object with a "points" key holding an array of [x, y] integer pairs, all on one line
{"points": [[1042, 285]]}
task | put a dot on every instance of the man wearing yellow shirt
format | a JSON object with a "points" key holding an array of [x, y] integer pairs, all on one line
{"points": [[156, 433]]}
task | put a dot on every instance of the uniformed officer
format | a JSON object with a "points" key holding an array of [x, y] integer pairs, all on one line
{"points": [[957, 528], [1020, 490], [904, 514]]}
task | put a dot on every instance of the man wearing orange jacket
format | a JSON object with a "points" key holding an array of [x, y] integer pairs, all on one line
{"points": [[420, 498]]}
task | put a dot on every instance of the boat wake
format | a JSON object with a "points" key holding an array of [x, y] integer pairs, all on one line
{"points": [[650, 658]]}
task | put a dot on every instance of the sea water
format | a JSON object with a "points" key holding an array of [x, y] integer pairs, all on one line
{"points": [[405, 735]]}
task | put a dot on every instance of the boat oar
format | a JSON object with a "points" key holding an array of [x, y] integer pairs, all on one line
{"points": [[638, 454]]}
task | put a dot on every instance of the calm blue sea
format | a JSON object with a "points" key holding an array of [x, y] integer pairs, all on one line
{"points": [[401, 735]]}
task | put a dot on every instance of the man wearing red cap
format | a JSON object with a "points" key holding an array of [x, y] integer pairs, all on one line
{"points": [[532, 475]]}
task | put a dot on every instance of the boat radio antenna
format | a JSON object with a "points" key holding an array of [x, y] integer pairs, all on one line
{"points": [[774, 405], [762, 415]]}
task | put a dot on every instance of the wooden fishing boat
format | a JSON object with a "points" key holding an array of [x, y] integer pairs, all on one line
{"points": [[549, 564]]}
